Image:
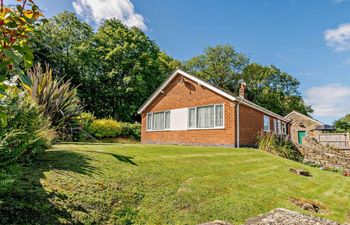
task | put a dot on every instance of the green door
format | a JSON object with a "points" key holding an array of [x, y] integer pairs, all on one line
{"points": [[301, 134]]}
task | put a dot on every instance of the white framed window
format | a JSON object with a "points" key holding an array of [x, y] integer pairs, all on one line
{"points": [[266, 123], [158, 121], [192, 118], [149, 121], [206, 117], [284, 128], [279, 127], [275, 126]]}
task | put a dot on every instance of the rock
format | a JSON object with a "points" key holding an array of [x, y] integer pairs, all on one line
{"points": [[309, 207], [300, 172], [216, 222], [346, 173], [286, 217]]}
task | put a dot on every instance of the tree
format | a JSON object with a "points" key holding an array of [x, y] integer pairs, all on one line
{"points": [[115, 68], [342, 124], [58, 43], [125, 68], [267, 86], [221, 65], [274, 89]]}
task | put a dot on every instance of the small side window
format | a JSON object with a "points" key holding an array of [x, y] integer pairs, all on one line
{"points": [[149, 121], [266, 123]]}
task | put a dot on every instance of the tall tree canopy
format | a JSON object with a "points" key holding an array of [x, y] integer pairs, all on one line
{"points": [[58, 43], [221, 65], [129, 67], [267, 86], [115, 68]]}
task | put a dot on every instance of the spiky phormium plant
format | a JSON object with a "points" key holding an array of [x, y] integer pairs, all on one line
{"points": [[57, 99]]}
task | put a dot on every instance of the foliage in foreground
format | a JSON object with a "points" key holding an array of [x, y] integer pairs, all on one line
{"points": [[109, 128], [17, 21], [57, 100], [27, 132], [279, 145]]}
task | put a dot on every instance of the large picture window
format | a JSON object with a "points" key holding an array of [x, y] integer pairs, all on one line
{"points": [[158, 121], [266, 123], [206, 117]]}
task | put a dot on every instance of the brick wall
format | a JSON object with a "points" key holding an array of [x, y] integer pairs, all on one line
{"points": [[251, 125], [188, 94]]}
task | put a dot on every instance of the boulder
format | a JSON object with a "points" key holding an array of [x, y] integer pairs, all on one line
{"points": [[282, 216]]}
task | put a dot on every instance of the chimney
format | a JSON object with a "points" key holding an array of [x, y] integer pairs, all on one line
{"points": [[242, 90]]}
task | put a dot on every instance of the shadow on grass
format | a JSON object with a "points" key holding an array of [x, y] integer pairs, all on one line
{"points": [[27, 202], [122, 158]]}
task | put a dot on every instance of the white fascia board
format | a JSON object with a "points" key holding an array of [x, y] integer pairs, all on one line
{"points": [[262, 109], [300, 114], [195, 79]]}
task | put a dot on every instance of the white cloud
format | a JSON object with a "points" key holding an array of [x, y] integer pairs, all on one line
{"points": [[99, 10], [338, 38], [331, 100]]}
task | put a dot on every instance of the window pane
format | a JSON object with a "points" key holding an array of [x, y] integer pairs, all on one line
{"points": [[192, 118], [279, 127], [158, 121], [219, 114], [205, 117], [266, 123], [167, 120], [149, 121]]}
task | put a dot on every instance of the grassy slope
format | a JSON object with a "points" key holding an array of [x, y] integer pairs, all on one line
{"points": [[146, 184]]}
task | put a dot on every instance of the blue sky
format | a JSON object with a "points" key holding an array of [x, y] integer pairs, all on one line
{"points": [[308, 39]]}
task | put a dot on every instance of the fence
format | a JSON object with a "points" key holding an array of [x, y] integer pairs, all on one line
{"points": [[336, 140]]}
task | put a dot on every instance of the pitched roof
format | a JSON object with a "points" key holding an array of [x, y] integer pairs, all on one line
{"points": [[210, 87], [300, 114]]}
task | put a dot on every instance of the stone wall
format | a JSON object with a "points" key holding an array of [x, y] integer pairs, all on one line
{"points": [[324, 156]]}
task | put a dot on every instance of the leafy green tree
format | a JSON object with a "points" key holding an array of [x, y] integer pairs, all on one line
{"points": [[342, 124], [221, 65], [274, 89], [116, 68], [58, 42], [126, 67], [267, 86]]}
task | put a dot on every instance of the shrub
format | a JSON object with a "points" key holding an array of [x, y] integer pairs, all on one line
{"points": [[86, 120], [131, 130], [27, 132], [109, 128], [57, 100], [279, 145], [103, 128]]}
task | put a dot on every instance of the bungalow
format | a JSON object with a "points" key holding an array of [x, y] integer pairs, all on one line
{"points": [[188, 110]]}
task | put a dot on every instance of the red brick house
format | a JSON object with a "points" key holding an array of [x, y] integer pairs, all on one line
{"points": [[187, 110]]}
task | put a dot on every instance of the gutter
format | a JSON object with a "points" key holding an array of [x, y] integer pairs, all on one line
{"points": [[237, 122]]}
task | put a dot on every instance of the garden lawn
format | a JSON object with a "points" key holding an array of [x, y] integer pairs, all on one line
{"points": [[152, 184]]}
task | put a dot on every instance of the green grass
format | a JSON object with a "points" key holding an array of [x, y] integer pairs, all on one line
{"points": [[148, 184]]}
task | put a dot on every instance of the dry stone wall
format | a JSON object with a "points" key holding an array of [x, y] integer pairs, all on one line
{"points": [[323, 155]]}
